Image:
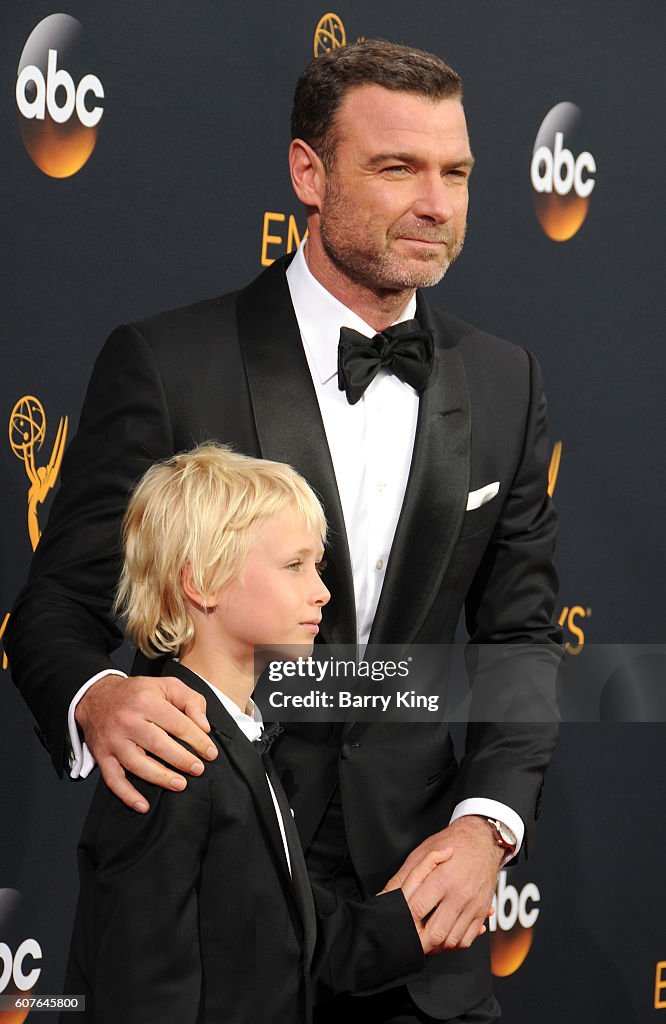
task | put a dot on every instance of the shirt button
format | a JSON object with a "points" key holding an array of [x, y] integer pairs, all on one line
{"points": [[379, 564]]}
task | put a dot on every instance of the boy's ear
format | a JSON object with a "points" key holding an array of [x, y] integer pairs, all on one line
{"points": [[203, 602], [187, 583]]}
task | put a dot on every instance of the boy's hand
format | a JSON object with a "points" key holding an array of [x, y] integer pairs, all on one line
{"points": [[125, 719]]}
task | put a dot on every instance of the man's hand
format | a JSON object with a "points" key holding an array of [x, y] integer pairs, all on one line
{"points": [[123, 718], [458, 888]]}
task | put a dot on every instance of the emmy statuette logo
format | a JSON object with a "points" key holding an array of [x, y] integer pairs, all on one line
{"points": [[27, 430], [57, 97], [329, 34]]}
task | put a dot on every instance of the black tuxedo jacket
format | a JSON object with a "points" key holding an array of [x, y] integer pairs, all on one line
{"points": [[190, 913], [233, 369]]}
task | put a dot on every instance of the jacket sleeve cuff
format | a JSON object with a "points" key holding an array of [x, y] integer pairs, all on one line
{"points": [[366, 947]]}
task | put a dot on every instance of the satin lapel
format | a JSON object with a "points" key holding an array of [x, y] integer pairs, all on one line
{"points": [[435, 498], [289, 425], [244, 757], [299, 873]]}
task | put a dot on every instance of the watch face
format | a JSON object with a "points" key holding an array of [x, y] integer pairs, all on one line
{"points": [[505, 836]]}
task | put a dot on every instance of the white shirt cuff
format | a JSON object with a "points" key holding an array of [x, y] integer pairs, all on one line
{"points": [[81, 761], [493, 809]]}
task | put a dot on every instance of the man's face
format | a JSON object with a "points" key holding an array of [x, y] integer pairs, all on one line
{"points": [[394, 208]]}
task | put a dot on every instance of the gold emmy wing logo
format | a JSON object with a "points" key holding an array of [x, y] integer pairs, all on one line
{"points": [[27, 430], [329, 34]]}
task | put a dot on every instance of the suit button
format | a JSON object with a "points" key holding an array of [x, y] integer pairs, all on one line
{"points": [[347, 748]]}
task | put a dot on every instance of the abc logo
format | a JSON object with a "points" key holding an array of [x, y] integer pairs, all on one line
{"points": [[20, 958], [561, 174], [57, 97], [510, 927], [19, 966]]}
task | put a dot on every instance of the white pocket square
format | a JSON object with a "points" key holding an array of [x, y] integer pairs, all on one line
{"points": [[476, 499]]}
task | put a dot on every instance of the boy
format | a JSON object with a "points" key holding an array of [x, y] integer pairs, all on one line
{"points": [[200, 910]]}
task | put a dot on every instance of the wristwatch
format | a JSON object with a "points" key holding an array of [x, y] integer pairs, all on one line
{"points": [[504, 837]]}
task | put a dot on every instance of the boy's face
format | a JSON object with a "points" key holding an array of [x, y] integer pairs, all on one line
{"points": [[279, 596]]}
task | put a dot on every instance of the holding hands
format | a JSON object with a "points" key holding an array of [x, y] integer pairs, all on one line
{"points": [[449, 881]]}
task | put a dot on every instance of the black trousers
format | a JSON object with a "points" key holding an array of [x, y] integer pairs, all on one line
{"points": [[333, 879], [397, 1007]]}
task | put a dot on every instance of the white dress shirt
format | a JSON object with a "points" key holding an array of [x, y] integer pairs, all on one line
{"points": [[371, 443]]}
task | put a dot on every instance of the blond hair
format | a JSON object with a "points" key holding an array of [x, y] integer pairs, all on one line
{"points": [[200, 508]]}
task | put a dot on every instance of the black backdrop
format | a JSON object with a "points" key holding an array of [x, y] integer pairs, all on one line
{"points": [[185, 192]]}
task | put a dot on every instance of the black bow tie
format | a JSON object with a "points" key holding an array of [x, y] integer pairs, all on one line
{"points": [[405, 349], [268, 737]]}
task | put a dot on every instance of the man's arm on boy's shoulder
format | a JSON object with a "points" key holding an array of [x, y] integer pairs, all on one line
{"points": [[123, 717]]}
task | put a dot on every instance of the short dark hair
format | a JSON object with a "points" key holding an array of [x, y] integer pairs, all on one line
{"points": [[326, 80]]}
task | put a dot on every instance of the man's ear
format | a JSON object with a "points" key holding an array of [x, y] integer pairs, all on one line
{"points": [[308, 176]]}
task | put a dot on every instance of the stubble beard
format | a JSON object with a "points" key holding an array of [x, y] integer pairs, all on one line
{"points": [[383, 270]]}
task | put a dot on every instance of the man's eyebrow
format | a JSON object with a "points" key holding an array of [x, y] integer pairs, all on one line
{"points": [[409, 158], [396, 158]]}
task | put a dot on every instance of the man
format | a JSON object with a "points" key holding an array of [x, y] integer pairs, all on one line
{"points": [[433, 479]]}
